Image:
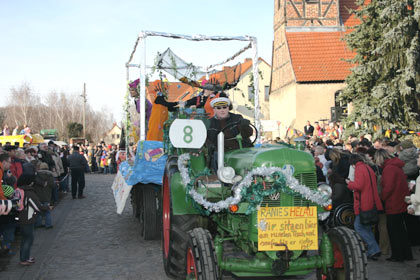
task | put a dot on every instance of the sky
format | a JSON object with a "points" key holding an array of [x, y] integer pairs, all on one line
{"points": [[58, 45]]}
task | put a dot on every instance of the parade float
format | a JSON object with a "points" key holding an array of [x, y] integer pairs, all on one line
{"points": [[21, 140], [257, 214]]}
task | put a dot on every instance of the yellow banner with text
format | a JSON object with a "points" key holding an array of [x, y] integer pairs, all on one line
{"points": [[294, 228]]}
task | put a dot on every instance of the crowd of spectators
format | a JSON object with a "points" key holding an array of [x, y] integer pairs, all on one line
{"points": [[34, 178], [384, 174]]}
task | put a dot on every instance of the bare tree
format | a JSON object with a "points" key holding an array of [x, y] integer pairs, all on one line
{"points": [[56, 111], [23, 100]]}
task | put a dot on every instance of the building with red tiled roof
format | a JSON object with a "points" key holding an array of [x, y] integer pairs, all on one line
{"points": [[310, 58]]}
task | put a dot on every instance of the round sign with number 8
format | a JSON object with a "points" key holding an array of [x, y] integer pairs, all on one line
{"points": [[185, 133]]}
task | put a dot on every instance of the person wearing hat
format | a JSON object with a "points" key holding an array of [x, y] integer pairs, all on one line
{"points": [[43, 187], [408, 155], [231, 124], [390, 147], [133, 88], [202, 100]]}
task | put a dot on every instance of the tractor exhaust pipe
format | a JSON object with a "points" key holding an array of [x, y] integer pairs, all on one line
{"points": [[225, 174], [220, 151]]}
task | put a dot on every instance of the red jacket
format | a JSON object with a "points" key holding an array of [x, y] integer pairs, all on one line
{"points": [[394, 186], [362, 186], [16, 169]]}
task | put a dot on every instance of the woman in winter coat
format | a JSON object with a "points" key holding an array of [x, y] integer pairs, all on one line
{"points": [[365, 194], [394, 191], [31, 207]]}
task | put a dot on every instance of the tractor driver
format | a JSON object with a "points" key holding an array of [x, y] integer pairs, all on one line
{"points": [[231, 124]]}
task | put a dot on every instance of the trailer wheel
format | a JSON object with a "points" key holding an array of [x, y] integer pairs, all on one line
{"points": [[200, 255], [350, 261], [174, 228], [148, 216], [134, 202]]}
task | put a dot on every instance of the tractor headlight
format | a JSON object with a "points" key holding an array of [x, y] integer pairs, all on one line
{"points": [[325, 190]]}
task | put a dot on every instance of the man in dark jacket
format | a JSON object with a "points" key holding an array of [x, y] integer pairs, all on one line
{"points": [[236, 129], [98, 155], [308, 129], [231, 124], [78, 165]]}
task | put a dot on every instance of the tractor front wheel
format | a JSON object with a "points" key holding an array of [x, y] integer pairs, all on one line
{"points": [[174, 228], [200, 255], [350, 261]]}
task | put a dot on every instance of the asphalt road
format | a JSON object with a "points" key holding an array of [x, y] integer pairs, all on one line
{"points": [[90, 241]]}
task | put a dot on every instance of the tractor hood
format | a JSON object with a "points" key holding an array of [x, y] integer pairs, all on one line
{"points": [[269, 156]]}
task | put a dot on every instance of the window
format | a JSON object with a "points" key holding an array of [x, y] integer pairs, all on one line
{"points": [[118, 136], [336, 101], [267, 93], [250, 93], [340, 107]]}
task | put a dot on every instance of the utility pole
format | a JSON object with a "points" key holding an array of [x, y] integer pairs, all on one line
{"points": [[84, 110]]}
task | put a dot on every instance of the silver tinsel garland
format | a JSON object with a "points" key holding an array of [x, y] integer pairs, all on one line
{"points": [[246, 182]]}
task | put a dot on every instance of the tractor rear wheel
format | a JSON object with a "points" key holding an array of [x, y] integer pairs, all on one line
{"points": [[350, 261], [200, 255], [174, 228]]}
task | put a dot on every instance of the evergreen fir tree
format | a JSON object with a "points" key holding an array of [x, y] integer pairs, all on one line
{"points": [[384, 84]]}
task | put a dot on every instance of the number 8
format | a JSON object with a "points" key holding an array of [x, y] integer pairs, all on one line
{"points": [[188, 134]]}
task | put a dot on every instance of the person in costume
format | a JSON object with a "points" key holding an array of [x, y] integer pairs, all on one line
{"points": [[202, 100], [231, 124], [134, 92]]}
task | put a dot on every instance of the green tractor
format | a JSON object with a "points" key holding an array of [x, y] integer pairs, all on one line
{"points": [[257, 215]]}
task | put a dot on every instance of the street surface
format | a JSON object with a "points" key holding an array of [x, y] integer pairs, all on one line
{"points": [[90, 241]]}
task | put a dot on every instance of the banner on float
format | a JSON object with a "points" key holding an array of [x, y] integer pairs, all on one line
{"points": [[287, 228], [121, 191]]}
